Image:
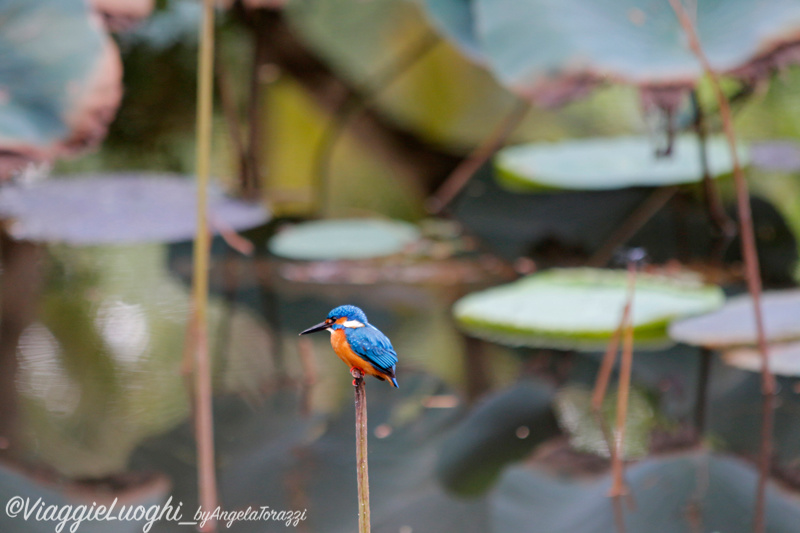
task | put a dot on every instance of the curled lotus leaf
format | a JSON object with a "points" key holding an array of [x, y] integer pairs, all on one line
{"points": [[60, 81], [553, 52]]}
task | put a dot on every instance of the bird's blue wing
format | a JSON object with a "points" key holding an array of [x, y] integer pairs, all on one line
{"points": [[372, 345]]}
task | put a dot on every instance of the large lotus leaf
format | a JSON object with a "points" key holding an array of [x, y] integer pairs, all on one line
{"points": [[692, 491], [549, 50], [609, 163], [343, 239], [503, 428], [580, 308], [118, 208], [60, 77], [734, 323]]}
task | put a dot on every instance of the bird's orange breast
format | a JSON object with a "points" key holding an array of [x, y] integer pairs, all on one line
{"points": [[346, 354]]}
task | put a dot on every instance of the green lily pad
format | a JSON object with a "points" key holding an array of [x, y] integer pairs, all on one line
{"points": [[609, 163], [734, 323], [551, 52], [580, 308], [574, 413], [784, 359], [331, 240]]}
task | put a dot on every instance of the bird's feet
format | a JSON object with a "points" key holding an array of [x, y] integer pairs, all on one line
{"points": [[358, 376]]}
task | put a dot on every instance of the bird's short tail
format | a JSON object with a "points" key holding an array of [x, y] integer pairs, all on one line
{"points": [[394, 382]]}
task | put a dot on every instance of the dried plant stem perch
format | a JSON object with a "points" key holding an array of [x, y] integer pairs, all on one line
{"points": [[361, 451], [204, 422], [751, 265]]}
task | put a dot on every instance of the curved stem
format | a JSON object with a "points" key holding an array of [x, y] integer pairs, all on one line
{"points": [[461, 175], [752, 269]]}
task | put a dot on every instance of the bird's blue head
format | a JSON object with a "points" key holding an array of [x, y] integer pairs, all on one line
{"points": [[350, 312], [341, 317]]}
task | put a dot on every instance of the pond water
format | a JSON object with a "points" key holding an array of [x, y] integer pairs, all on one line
{"points": [[100, 408]]}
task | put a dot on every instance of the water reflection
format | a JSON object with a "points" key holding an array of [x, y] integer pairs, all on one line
{"points": [[42, 376], [124, 328]]}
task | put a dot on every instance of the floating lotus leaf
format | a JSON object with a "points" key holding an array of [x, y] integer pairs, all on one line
{"points": [[784, 359], [734, 324], [687, 491], [573, 409], [323, 240], [118, 208], [60, 80], [580, 308], [609, 163], [552, 52]]}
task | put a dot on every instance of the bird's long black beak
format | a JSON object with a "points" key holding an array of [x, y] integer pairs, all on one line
{"points": [[318, 327]]}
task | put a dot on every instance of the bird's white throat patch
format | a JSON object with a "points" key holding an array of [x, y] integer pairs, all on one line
{"points": [[353, 324]]}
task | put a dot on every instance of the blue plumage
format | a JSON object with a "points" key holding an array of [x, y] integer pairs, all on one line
{"points": [[363, 341], [372, 345], [351, 312]]}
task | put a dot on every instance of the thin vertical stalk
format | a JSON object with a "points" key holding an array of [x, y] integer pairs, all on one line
{"points": [[618, 486], [204, 422], [362, 470], [752, 269]]}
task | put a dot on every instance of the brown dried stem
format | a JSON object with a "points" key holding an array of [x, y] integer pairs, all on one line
{"points": [[461, 175], [204, 422], [752, 270], [361, 451], [619, 488]]}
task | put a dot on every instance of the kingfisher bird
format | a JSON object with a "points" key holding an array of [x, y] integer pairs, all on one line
{"points": [[358, 343]]}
